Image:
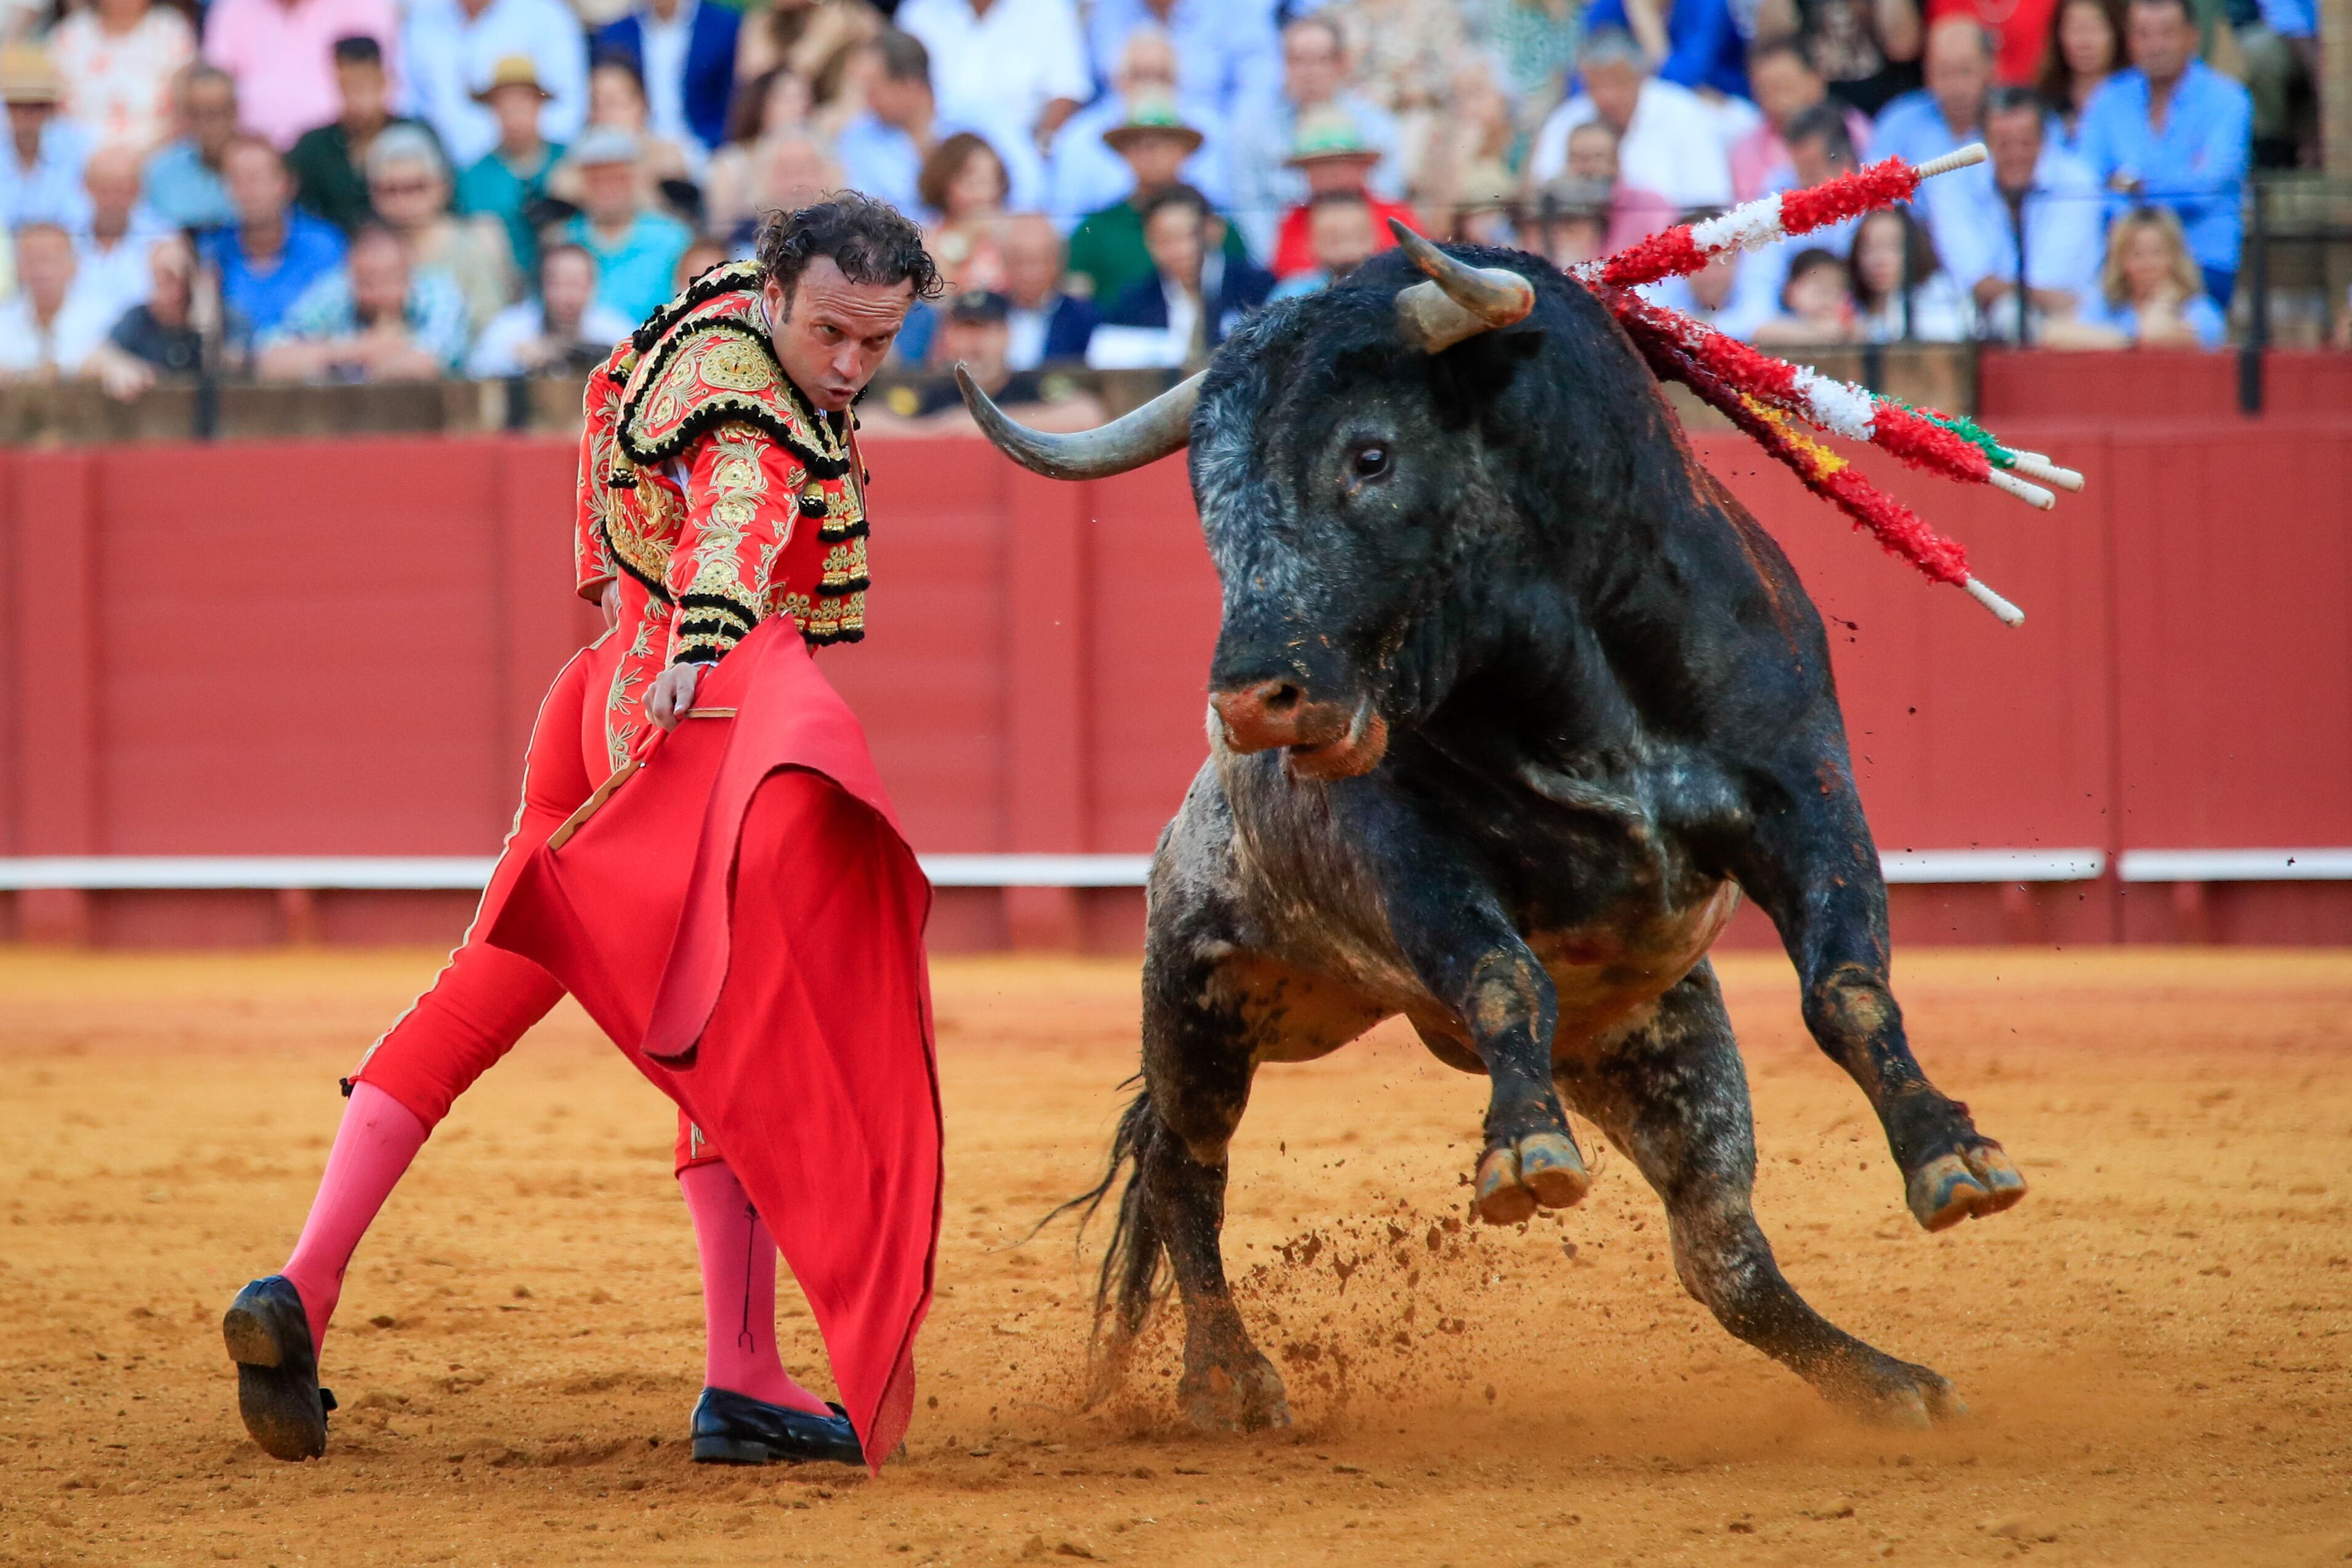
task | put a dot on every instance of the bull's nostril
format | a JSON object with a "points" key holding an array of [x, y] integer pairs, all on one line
{"points": [[1280, 696]]}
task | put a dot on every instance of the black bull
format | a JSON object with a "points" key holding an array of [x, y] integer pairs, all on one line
{"points": [[1510, 703]]}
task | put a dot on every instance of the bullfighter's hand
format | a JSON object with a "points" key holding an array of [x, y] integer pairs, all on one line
{"points": [[673, 694]]}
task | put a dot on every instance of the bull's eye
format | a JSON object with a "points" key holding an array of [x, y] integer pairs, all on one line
{"points": [[1372, 461]]}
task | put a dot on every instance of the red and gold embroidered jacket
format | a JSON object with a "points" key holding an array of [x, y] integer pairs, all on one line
{"points": [[708, 477]]}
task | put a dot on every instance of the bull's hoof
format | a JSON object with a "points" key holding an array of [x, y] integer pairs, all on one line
{"points": [[1895, 1393], [1542, 1169], [1976, 1181], [1245, 1396]]}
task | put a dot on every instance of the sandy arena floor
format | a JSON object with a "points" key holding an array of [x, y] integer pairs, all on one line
{"points": [[2155, 1344]]}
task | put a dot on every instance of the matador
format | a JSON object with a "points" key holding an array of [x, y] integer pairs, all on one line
{"points": [[705, 858]]}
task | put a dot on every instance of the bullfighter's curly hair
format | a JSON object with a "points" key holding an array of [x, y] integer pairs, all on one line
{"points": [[871, 242]]}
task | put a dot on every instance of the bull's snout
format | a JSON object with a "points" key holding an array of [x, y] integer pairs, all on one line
{"points": [[1271, 713], [1325, 740]]}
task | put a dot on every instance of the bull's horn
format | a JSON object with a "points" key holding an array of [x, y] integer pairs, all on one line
{"points": [[1458, 301], [1143, 436]]}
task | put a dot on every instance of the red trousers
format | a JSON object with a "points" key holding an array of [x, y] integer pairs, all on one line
{"points": [[487, 998]]}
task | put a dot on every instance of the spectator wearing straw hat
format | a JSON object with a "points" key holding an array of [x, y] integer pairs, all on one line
{"points": [[454, 49], [41, 170], [1315, 83], [1107, 251], [511, 179], [1087, 174], [282, 53], [1331, 154], [635, 249], [328, 163], [183, 183]]}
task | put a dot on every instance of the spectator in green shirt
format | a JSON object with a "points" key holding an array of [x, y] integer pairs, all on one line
{"points": [[637, 250], [512, 175], [1107, 249], [330, 164]]}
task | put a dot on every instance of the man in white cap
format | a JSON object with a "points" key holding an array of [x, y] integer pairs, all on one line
{"points": [[637, 251]]}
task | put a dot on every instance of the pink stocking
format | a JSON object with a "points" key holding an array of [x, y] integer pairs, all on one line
{"points": [[738, 1291], [378, 1138]]}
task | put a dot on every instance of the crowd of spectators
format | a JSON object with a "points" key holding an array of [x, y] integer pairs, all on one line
{"points": [[318, 190]]}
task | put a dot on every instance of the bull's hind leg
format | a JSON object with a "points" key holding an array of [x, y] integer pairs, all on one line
{"points": [[1814, 871], [1197, 1065], [1673, 1095]]}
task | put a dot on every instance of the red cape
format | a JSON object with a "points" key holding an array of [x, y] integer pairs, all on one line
{"points": [[759, 830]]}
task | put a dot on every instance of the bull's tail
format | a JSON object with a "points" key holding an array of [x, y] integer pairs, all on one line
{"points": [[1134, 1275]]}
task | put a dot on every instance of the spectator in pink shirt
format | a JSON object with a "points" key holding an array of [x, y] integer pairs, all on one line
{"points": [[282, 54], [1786, 85], [1634, 214]]}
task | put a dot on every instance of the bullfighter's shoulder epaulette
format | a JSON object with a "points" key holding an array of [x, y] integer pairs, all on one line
{"points": [[731, 278], [714, 366]]}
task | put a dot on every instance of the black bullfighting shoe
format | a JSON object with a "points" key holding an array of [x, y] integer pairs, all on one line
{"points": [[278, 1390], [731, 1428]]}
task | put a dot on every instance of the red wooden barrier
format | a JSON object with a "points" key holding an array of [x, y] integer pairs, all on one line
{"points": [[337, 650]]}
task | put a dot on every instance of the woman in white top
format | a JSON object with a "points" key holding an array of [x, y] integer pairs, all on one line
{"points": [[1901, 294], [116, 59]]}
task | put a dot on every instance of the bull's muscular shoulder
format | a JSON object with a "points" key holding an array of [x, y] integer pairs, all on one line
{"points": [[703, 361]]}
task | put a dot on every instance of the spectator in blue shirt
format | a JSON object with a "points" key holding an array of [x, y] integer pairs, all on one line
{"points": [[637, 252], [2151, 292], [1948, 112], [2174, 133], [275, 251], [1703, 46], [2030, 190], [374, 318], [882, 150], [40, 163], [1227, 57], [183, 184], [685, 53]]}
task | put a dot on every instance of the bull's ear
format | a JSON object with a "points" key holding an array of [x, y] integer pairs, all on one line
{"points": [[1459, 300]]}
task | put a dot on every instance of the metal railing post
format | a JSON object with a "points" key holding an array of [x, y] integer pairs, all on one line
{"points": [[2258, 325]]}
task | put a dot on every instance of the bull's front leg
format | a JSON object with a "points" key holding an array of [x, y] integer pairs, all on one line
{"points": [[1452, 928], [1811, 866]]}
